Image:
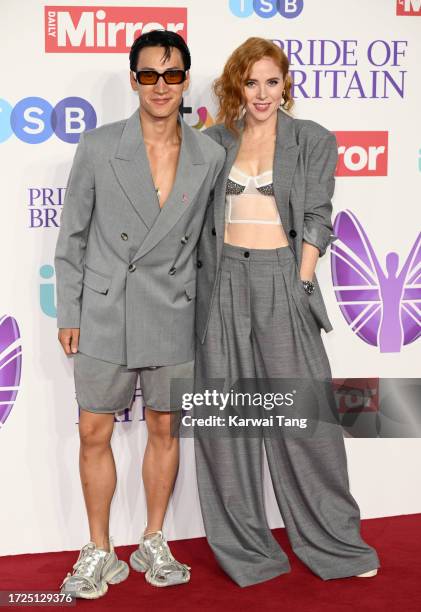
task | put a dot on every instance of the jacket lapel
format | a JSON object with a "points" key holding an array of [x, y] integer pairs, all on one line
{"points": [[131, 167], [232, 146], [191, 172], [284, 163]]}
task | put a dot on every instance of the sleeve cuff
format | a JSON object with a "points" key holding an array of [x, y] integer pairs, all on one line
{"points": [[319, 236], [68, 320]]}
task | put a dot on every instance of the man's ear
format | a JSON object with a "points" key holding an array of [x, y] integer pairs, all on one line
{"points": [[186, 83], [133, 81]]}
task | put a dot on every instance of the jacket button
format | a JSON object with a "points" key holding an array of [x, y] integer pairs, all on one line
{"points": [[124, 236], [246, 254], [199, 263], [172, 271], [184, 239], [213, 231], [292, 233], [132, 268]]}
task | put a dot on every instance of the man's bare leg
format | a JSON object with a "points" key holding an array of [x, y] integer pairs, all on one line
{"points": [[160, 466], [97, 473]]}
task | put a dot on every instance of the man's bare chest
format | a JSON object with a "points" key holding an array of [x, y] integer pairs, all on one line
{"points": [[163, 165]]}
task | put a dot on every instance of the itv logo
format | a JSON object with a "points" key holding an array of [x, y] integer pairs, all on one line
{"points": [[47, 291]]}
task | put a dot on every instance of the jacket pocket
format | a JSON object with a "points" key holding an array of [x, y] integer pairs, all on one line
{"points": [[312, 304], [318, 310], [190, 289], [96, 282], [302, 299]]}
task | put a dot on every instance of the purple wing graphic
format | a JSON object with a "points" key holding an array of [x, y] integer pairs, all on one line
{"points": [[10, 365], [411, 299], [382, 308]]}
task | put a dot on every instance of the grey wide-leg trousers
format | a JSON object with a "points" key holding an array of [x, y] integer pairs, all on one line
{"points": [[261, 327]]}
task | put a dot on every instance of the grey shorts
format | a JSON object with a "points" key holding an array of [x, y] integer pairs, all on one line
{"points": [[106, 387]]}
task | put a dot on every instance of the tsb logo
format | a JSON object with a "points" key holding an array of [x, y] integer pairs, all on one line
{"points": [[410, 8], [266, 8], [362, 153], [34, 120], [106, 29]]}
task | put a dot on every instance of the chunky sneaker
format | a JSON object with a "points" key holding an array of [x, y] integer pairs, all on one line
{"points": [[154, 558], [92, 571]]}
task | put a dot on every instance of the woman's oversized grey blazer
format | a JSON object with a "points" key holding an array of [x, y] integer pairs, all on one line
{"points": [[303, 174]]}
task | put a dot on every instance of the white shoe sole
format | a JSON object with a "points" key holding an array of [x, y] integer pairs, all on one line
{"points": [[137, 563], [369, 574], [140, 566], [116, 576]]}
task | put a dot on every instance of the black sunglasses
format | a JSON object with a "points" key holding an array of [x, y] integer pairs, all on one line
{"points": [[151, 77]]}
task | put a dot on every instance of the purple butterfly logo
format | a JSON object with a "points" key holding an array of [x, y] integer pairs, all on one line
{"points": [[10, 365], [382, 307]]}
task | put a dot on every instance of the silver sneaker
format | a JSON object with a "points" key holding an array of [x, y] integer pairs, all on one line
{"points": [[92, 571], [154, 558]]}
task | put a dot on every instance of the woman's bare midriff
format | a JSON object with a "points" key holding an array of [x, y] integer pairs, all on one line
{"points": [[252, 236]]}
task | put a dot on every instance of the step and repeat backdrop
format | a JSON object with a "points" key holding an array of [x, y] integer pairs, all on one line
{"points": [[65, 69]]}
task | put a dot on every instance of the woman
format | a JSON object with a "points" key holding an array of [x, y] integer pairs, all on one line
{"points": [[259, 314]]}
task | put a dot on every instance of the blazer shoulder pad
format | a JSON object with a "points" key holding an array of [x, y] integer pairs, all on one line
{"points": [[210, 147], [107, 131], [310, 131], [215, 132]]}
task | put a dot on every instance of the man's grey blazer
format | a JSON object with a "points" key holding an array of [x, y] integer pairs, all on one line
{"points": [[126, 270], [303, 175]]}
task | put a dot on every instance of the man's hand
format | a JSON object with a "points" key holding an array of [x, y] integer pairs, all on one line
{"points": [[69, 339]]}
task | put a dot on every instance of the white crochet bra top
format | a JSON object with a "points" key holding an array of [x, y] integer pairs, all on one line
{"points": [[250, 199]]}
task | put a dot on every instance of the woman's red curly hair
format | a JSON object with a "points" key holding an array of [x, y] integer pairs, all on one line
{"points": [[230, 85]]}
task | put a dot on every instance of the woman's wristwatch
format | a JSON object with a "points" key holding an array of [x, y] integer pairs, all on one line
{"points": [[308, 286]]}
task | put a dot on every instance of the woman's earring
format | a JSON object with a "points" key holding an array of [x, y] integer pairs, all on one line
{"points": [[283, 99]]}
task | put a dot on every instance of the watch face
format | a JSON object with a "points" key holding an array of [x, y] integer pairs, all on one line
{"points": [[308, 287]]}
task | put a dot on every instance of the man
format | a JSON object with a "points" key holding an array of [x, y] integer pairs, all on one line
{"points": [[126, 278]]}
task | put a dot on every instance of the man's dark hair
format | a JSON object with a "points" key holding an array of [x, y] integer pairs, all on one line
{"points": [[160, 38]]}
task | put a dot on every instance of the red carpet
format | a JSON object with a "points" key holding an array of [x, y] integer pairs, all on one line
{"points": [[397, 587]]}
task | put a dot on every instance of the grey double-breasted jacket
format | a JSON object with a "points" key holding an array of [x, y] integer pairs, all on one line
{"points": [[126, 270]]}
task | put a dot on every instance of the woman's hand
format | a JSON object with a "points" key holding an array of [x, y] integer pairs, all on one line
{"points": [[309, 261]]}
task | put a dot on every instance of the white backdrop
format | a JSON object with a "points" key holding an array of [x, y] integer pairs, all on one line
{"points": [[41, 506]]}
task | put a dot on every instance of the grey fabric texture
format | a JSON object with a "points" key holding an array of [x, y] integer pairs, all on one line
{"points": [[126, 270], [303, 180], [261, 326], [105, 387]]}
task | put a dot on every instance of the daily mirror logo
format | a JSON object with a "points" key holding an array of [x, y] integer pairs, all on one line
{"points": [[408, 8], [106, 29]]}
